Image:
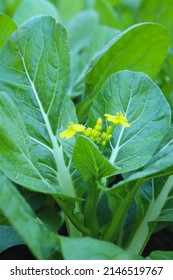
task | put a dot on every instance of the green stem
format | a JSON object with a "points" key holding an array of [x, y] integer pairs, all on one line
{"points": [[77, 226], [90, 210], [118, 217], [139, 239]]}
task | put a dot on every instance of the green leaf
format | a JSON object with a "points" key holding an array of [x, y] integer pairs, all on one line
{"points": [[16, 156], [151, 11], [31, 8], [8, 238], [161, 255], [11, 5], [92, 249], [121, 195], [89, 161], [144, 48], [7, 26], [50, 217], [40, 239], [101, 37], [149, 209], [107, 14], [93, 44], [67, 10], [34, 72], [135, 95], [86, 20]]}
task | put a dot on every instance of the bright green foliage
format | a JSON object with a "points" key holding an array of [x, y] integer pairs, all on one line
{"points": [[45, 246], [31, 8], [93, 250], [135, 95], [7, 26], [143, 50], [40, 105], [89, 160], [110, 170]]}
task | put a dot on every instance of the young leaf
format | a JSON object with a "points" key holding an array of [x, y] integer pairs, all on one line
{"points": [[89, 161], [135, 95], [40, 239], [92, 249]]}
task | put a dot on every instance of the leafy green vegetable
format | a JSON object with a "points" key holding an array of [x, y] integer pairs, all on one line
{"points": [[103, 176]]}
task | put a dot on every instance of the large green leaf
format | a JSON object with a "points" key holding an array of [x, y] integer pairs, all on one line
{"points": [[141, 47], [16, 155], [43, 242], [7, 26], [89, 160], [135, 95], [34, 72], [92, 249], [31, 8]]}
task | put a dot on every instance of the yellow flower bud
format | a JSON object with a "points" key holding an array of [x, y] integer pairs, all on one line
{"points": [[98, 127], [94, 133], [103, 136], [99, 121], [108, 137], [109, 130], [87, 131], [103, 143]]}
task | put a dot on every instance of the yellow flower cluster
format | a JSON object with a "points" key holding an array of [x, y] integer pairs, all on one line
{"points": [[96, 134]]}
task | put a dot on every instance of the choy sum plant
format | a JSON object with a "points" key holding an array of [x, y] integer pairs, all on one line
{"points": [[96, 141]]}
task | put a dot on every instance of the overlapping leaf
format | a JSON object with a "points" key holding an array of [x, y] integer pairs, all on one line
{"points": [[41, 240], [143, 104], [141, 47], [34, 72]]}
